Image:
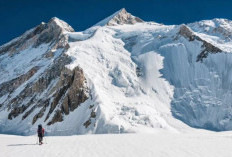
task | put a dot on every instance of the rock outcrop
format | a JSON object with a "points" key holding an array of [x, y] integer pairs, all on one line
{"points": [[51, 32], [119, 18], [186, 32], [123, 17]]}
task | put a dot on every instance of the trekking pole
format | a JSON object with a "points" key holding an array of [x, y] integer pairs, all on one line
{"points": [[45, 140], [37, 138]]}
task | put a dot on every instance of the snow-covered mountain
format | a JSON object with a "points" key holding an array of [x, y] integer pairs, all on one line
{"points": [[121, 75]]}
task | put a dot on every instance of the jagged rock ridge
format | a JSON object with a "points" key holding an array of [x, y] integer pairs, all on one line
{"points": [[208, 47]]}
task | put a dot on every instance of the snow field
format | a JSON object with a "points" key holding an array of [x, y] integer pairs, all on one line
{"points": [[160, 144]]}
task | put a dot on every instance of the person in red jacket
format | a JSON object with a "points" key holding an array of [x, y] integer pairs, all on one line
{"points": [[40, 132]]}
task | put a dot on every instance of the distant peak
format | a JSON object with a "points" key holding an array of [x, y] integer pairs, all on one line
{"points": [[119, 18], [60, 23], [123, 10]]}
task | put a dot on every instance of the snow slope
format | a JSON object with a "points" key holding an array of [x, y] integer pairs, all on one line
{"points": [[124, 100], [160, 144], [172, 81]]}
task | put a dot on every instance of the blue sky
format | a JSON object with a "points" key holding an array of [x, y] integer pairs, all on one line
{"points": [[17, 16]]}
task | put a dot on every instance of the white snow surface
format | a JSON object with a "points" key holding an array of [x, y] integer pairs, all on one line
{"points": [[160, 144], [124, 101]]}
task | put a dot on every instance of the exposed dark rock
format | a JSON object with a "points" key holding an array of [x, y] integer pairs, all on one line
{"points": [[91, 106], [92, 116], [187, 33], [38, 115], [87, 123], [65, 88], [16, 111], [71, 91], [29, 112], [123, 17], [50, 32], [10, 86], [50, 74], [58, 117], [207, 47], [139, 71]]}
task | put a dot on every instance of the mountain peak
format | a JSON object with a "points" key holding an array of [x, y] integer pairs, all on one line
{"points": [[51, 32], [60, 23], [119, 18]]}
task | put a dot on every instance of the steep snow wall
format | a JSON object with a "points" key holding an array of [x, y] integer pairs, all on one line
{"points": [[202, 89]]}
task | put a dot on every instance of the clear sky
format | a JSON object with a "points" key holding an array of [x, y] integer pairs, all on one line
{"points": [[17, 16]]}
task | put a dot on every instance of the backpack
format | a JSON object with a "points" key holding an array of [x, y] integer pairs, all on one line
{"points": [[40, 129]]}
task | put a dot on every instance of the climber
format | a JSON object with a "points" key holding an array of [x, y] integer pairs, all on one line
{"points": [[40, 132]]}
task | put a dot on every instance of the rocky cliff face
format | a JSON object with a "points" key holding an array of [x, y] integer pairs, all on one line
{"points": [[45, 84]]}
